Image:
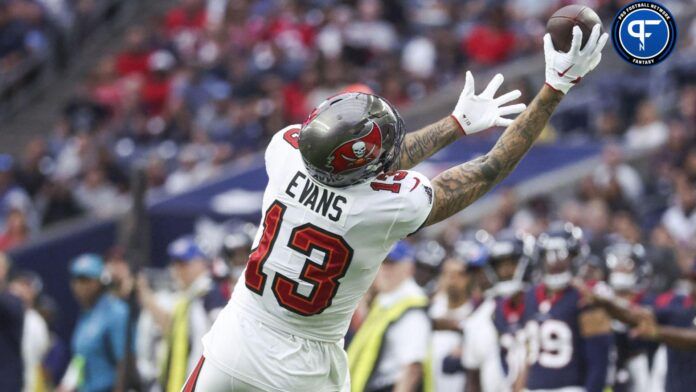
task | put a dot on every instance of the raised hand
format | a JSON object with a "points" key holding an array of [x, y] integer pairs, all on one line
{"points": [[475, 113], [564, 70]]}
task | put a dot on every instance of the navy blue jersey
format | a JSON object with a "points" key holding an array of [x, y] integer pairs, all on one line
{"points": [[678, 311], [507, 320], [559, 356], [628, 347]]}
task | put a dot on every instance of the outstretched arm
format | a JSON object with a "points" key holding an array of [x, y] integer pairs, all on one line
{"points": [[461, 185], [472, 114], [679, 338]]}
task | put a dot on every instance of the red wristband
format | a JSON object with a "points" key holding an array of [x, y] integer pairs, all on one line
{"points": [[458, 123], [553, 88]]}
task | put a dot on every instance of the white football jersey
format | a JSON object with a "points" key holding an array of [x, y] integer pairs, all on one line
{"points": [[482, 350], [318, 248]]}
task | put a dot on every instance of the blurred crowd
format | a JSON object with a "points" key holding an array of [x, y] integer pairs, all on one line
{"points": [[36, 33], [209, 81]]}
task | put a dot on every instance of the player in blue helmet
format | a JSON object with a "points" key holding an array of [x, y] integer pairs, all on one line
{"points": [[493, 336], [236, 246], [429, 256], [671, 321], [458, 295], [568, 342], [627, 276]]}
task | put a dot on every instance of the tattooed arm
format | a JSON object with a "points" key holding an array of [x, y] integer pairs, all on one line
{"points": [[422, 144], [461, 185]]}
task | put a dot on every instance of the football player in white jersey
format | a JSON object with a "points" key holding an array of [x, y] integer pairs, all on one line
{"points": [[339, 196]]}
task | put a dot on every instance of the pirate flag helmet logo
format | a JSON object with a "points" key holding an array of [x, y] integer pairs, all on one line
{"points": [[356, 152]]}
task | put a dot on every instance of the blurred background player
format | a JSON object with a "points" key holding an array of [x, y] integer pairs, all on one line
{"points": [[35, 336], [98, 343], [568, 342], [493, 353], [429, 256], [196, 303], [390, 350], [671, 322], [11, 329], [452, 303], [628, 277], [236, 246]]}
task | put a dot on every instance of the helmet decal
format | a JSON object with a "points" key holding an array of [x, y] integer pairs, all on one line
{"points": [[357, 152]]}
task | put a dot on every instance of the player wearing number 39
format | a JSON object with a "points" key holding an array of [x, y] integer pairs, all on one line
{"points": [[340, 194], [567, 341]]}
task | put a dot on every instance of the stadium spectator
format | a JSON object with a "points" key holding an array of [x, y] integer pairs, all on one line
{"points": [[397, 326], [30, 170], [12, 196], [99, 338], [11, 328], [58, 203], [198, 301], [188, 174], [648, 131], [680, 218], [133, 59], [96, 195], [16, 230], [618, 183], [35, 335], [492, 42]]}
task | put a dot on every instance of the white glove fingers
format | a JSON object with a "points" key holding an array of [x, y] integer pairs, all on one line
{"points": [[512, 109], [592, 41], [600, 44], [468, 84], [548, 43], [577, 40], [508, 97], [493, 86], [502, 122]]}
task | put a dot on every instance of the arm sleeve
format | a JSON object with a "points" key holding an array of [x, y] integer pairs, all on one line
{"points": [[596, 356], [416, 201]]}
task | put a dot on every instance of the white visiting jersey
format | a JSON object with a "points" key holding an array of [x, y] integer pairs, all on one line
{"points": [[318, 248]]}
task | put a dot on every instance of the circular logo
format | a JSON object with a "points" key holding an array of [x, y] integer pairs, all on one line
{"points": [[644, 33]]}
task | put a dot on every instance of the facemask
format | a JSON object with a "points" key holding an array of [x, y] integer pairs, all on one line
{"points": [[622, 280], [558, 281]]}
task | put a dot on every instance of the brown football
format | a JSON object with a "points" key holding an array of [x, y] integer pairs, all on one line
{"points": [[561, 23]]}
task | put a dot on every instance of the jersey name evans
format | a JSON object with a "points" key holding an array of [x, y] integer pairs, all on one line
{"points": [[322, 201]]}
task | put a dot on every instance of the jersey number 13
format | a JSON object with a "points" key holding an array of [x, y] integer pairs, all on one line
{"points": [[303, 239]]}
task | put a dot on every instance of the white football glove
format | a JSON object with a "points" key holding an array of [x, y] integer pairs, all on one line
{"points": [[474, 113], [565, 70]]}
